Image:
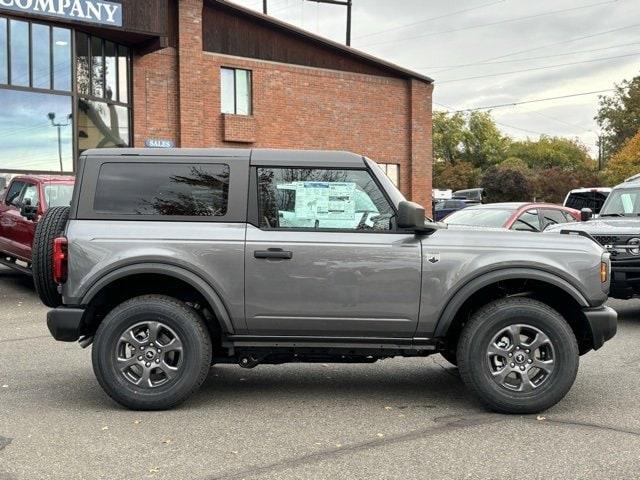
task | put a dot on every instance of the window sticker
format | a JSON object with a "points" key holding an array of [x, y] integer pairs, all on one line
{"points": [[323, 200]]}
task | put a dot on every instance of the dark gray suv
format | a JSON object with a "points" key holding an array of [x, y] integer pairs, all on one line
{"points": [[169, 261]]}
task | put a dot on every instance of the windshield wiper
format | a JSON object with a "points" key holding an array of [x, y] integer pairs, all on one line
{"points": [[612, 215]]}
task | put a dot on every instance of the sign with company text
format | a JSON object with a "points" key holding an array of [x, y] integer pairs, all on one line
{"points": [[159, 143], [92, 11]]}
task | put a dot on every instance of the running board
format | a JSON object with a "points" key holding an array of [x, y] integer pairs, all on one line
{"points": [[15, 266], [355, 343]]}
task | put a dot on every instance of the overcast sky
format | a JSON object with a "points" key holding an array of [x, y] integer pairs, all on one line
{"points": [[567, 46]]}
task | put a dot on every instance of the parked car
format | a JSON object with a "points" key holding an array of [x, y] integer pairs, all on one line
{"points": [[592, 198], [471, 195], [530, 217], [172, 260], [24, 201], [618, 230], [444, 207]]}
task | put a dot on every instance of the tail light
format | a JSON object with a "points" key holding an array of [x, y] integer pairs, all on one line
{"points": [[60, 258]]}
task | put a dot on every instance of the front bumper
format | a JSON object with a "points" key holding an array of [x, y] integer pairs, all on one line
{"points": [[64, 323], [603, 322]]}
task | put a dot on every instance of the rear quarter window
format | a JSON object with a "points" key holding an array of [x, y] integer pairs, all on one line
{"points": [[162, 189]]}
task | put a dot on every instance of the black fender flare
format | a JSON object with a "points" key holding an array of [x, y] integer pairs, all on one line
{"points": [[468, 289], [197, 282]]}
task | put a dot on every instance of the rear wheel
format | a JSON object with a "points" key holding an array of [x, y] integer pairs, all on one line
{"points": [[151, 352], [48, 228], [518, 355]]}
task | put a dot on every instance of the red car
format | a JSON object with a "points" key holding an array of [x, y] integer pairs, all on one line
{"points": [[529, 217], [22, 204]]}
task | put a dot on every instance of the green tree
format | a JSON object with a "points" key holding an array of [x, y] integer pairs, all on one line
{"points": [[625, 163], [619, 115], [507, 184], [448, 132], [456, 176], [548, 152]]}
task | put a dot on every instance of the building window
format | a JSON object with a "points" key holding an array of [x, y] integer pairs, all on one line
{"points": [[392, 171], [56, 104], [235, 91]]}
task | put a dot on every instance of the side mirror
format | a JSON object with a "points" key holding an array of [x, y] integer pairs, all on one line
{"points": [[28, 211], [411, 216], [586, 214]]}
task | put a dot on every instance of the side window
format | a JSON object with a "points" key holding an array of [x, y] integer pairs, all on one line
{"points": [[551, 217], [168, 189], [13, 195], [568, 217], [235, 91], [529, 221], [31, 194], [321, 199]]}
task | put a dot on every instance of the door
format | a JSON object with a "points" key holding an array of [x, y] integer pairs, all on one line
{"points": [[528, 221], [24, 228], [325, 258], [9, 216]]}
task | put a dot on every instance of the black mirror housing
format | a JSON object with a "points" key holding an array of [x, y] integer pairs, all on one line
{"points": [[28, 211], [411, 216], [586, 214]]}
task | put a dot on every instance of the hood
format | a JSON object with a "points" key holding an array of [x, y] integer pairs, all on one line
{"points": [[602, 226], [477, 228]]}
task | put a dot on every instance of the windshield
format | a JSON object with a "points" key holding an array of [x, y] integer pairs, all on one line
{"points": [[621, 203], [58, 195], [480, 217], [592, 199]]}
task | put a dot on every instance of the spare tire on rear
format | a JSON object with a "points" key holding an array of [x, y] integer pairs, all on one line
{"points": [[50, 226]]}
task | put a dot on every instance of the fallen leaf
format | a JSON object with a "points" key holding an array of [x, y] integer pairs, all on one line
{"points": [[235, 452], [540, 417], [388, 408], [380, 435], [154, 470], [338, 445], [105, 428], [136, 422]]}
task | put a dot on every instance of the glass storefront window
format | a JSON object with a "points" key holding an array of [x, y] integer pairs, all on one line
{"points": [[97, 68], [61, 59], [41, 56], [19, 53], [123, 74], [28, 140], [82, 63], [4, 46], [102, 125], [110, 58]]}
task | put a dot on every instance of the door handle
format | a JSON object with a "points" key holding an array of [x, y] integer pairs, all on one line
{"points": [[273, 253]]}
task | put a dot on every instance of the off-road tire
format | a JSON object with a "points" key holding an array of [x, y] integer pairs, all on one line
{"points": [[49, 227], [475, 367], [183, 320]]}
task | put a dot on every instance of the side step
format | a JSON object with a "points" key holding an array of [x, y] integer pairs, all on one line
{"points": [[15, 266]]}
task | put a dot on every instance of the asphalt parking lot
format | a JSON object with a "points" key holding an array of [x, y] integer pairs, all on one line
{"points": [[397, 418]]}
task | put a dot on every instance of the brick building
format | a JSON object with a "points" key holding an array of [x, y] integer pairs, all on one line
{"points": [[198, 73]]}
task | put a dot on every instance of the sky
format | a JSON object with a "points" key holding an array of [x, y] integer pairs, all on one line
{"points": [[566, 47]]}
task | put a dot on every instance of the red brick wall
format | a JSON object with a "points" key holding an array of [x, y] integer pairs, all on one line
{"points": [[387, 119]]}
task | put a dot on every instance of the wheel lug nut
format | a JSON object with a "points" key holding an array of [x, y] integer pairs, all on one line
{"points": [[159, 351], [140, 357], [513, 365], [528, 351], [151, 344], [511, 355], [529, 361], [148, 364], [157, 360], [518, 347]]}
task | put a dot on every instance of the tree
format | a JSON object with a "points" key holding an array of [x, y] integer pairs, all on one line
{"points": [[483, 143], [474, 139], [548, 152], [454, 176], [624, 163], [448, 132], [619, 115], [553, 184], [507, 184]]}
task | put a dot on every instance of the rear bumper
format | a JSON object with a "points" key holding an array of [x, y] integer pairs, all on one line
{"points": [[603, 322], [64, 323]]}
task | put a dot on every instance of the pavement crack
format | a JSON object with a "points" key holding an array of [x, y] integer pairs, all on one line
{"points": [[22, 339], [455, 423], [589, 425]]}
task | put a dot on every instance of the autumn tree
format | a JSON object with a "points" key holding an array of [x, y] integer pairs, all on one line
{"points": [[619, 115], [625, 163], [458, 176], [548, 152], [507, 183]]}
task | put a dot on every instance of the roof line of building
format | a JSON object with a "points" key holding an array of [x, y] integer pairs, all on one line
{"points": [[404, 72]]}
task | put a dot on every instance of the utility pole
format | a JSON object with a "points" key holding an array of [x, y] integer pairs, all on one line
{"points": [[264, 6], [344, 3], [600, 153], [52, 117]]}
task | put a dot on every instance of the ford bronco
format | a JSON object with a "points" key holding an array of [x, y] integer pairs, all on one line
{"points": [[169, 261]]}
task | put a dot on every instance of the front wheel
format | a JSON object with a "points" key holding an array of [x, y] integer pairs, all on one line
{"points": [[518, 355], [151, 352]]}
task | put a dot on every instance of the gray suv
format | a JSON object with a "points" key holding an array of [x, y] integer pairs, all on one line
{"points": [[169, 261]]}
